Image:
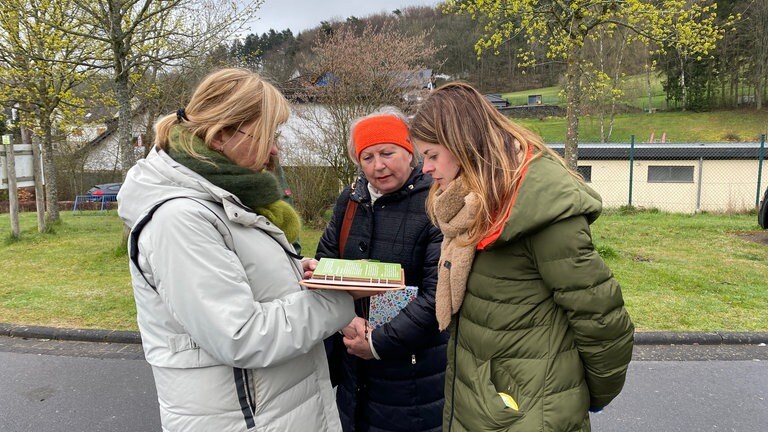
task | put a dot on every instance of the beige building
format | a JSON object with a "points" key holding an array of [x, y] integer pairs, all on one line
{"points": [[681, 178]]}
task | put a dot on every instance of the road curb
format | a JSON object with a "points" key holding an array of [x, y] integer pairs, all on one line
{"points": [[700, 338], [85, 335], [131, 337]]}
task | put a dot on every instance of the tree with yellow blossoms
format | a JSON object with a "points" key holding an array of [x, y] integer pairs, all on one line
{"points": [[38, 76], [561, 28]]}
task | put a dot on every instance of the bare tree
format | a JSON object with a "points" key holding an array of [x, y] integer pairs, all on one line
{"points": [[352, 72], [603, 75], [143, 34]]}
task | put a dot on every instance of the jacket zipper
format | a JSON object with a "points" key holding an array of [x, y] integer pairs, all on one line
{"points": [[413, 359]]}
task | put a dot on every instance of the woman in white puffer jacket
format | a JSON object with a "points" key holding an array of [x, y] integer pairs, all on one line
{"points": [[234, 341]]}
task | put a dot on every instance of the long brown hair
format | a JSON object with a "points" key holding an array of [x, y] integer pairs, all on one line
{"points": [[489, 148], [227, 99]]}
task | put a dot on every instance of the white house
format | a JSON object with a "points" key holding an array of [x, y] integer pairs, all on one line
{"points": [[100, 142]]}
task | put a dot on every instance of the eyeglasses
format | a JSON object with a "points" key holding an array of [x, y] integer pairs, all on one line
{"points": [[274, 138], [246, 134]]}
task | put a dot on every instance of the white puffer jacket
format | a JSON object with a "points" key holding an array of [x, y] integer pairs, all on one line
{"points": [[234, 341]]}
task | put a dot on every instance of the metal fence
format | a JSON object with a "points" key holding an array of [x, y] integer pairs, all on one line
{"points": [[680, 178], [101, 203]]}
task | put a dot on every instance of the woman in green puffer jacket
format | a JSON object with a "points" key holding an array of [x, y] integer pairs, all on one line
{"points": [[539, 333]]}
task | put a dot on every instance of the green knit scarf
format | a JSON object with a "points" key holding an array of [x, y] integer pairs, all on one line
{"points": [[257, 190]]}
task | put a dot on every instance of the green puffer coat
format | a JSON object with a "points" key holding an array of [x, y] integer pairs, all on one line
{"points": [[542, 320]]}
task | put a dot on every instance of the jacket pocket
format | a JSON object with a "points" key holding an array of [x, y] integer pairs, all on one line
{"points": [[494, 411], [188, 354], [181, 342]]}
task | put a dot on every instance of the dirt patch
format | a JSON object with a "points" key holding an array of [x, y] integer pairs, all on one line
{"points": [[754, 236]]}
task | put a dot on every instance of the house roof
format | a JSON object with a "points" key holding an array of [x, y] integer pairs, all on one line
{"points": [[692, 151], [111, 127], [497, 100], [418, 78]]}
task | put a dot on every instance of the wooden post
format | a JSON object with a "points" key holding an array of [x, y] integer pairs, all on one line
{"points": [[13, 197], [37, 174]]}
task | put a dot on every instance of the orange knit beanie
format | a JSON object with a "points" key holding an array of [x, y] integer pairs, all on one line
{"points": [[381, 129]]}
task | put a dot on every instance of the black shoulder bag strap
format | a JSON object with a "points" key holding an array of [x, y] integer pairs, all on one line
{"points": [[133, 240]]}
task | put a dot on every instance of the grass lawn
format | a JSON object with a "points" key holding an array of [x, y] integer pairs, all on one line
{"points": [[678, 272], [75, 276], [680, 127], [688, 272]]}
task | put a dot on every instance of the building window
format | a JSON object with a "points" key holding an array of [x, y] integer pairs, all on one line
{"points": [[670, 174], [586, 172]]}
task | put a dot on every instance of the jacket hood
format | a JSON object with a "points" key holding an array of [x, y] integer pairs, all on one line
{"points": [[159, 177], [417, 181], [548, 194]]}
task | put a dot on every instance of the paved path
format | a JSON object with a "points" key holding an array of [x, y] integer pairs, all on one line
{"points": [[77, 386], [64, 386]]}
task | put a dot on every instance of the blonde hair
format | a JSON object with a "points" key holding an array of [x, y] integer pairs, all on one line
{"points": [[225, 100], [382, 111], [489, 148]]}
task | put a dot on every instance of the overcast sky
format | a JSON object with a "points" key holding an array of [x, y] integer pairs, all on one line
{"points": [[300, 15]]}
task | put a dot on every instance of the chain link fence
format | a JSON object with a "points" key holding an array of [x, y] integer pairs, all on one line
{"points": [[679, 178]]}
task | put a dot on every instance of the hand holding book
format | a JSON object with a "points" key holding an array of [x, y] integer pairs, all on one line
{"points": [[354, 275], [309, 265]]}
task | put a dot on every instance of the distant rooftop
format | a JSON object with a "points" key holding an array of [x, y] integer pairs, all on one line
{"points": [[683, 151]]}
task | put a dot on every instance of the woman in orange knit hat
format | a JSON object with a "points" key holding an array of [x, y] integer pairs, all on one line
{"points": [[390, 375]]}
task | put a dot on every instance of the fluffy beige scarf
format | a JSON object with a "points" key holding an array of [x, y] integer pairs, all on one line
{"points": [[455, 210]]}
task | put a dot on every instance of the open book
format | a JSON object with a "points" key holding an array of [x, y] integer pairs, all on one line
{"points": [[341, 274]]}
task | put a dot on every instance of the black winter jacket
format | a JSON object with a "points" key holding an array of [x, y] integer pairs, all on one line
{"points": [[404, 390]]}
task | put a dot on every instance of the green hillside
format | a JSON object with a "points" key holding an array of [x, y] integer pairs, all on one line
{"points": [[743, 125], [715, 126], [635, 90]]}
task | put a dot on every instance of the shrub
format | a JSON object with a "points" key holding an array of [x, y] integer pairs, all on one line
{"points": [[315, 188]]}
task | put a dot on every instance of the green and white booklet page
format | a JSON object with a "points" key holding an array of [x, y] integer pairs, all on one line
{"points": [[335, 272]]}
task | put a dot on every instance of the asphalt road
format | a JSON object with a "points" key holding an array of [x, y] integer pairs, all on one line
{"points": [[85, 386]]}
